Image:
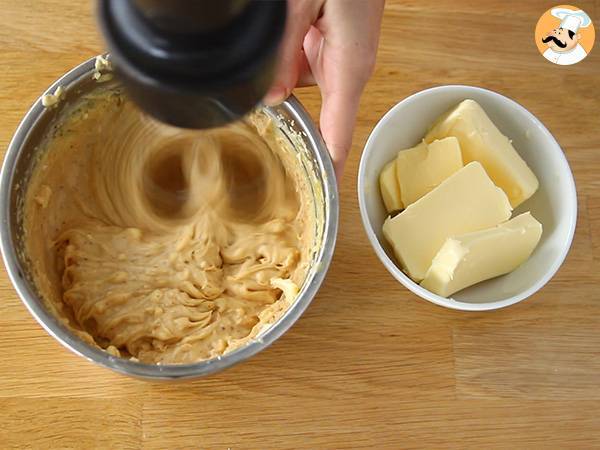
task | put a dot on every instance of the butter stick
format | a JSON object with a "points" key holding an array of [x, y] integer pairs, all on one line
{"points": [[480, 140], [470, 258], [466, 201], [390, 189], [424, 167]]}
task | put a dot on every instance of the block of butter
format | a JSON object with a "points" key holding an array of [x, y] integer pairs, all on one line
{"points": [[469, 258], [424, 167], [481, 141], [390, 189], [466, 201]]}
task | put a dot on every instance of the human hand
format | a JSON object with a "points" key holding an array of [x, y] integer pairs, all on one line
{"points": [[332, 43]]}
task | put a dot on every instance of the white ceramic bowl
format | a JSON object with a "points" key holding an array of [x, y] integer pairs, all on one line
{"points": [[554, 204]]}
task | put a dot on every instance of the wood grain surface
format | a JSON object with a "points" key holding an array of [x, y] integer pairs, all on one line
{"points": [[369, 365]]}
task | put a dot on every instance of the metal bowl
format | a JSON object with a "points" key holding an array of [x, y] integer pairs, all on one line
{"points": [[20, 159]]}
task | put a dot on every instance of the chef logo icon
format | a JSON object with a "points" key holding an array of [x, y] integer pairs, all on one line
{"points": [[565, 35]]}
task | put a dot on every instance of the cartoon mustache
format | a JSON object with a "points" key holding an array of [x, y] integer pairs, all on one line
{"points": [[556, 41]]}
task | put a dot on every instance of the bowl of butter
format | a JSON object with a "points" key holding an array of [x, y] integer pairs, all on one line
{"points": [[467, 198]]}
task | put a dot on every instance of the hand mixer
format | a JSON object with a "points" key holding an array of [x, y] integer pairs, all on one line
{"points": [[194, 63]]}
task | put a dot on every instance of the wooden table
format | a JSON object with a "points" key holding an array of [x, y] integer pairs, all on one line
{"points": [[369, 364]]}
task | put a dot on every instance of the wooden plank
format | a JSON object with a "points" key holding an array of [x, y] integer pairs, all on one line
{"points": [[61, 423], [369, 364]]}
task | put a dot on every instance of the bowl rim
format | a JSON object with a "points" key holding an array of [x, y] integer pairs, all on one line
{"points": [[34, 303], [391, 266]]}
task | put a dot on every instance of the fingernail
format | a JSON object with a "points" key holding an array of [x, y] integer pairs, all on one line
{"points": [[275, 96]]}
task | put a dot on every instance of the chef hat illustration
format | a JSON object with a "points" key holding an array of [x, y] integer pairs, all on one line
{"points": [[572, 20]]}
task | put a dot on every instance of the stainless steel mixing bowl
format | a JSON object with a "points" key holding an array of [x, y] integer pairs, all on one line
{"points": [[21, 156]]}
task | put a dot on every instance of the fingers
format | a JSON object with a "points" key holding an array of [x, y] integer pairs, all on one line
{"points": [[332, 43], [305, 77], [340, 96], [342, 60], [338, 116], [300, 15]]}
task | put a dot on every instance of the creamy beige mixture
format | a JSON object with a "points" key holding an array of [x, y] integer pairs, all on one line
{"points": [[167, 245]]}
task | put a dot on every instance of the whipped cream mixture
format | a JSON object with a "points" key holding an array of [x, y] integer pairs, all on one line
{"points": [[167, 245]]}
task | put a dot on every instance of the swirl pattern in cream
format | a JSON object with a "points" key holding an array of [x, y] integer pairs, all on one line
{"points": [[162, 244]]}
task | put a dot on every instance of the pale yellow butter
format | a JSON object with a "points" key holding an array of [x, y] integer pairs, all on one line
{"points": [[288, 288], [466, 201], [390, 190], [480, 140], [424, 167], [467, 259]]}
